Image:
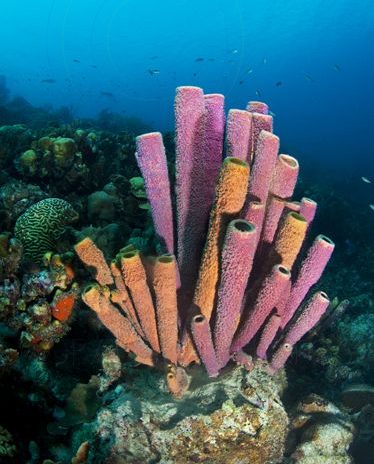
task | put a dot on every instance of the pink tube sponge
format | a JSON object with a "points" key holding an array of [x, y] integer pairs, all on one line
{"points": [[308, 318], [266, 155], [260, 122], [192, 211], [214, 130], [310, 271], [254, 212], [308, 209], [237, 259], [257, 107], [204, 344], [280, 357], [268, 334], [285, 176], [238, 135], [267, 297], [151, 158]]}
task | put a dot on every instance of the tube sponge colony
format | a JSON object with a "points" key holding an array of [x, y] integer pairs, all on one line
{"points": [[242, 291]]}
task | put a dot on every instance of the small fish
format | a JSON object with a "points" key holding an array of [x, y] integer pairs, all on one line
{"points": [[199, 60], [272, 114], [278, 84], [154, 57], [48, 81], [153, 72], [76, 61], [93, 66], [371, 206], [337, 67], [211, 60], [366, 180], [106, 94], [235, 51], [194, 74], [249, 71], [241, 82], [258, 93], [308, 77]]}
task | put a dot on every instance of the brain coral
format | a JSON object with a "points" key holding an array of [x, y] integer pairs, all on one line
{"points": [[41, 225]]}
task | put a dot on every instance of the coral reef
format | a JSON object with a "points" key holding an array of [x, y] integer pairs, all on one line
{"points": [[93, 402]]}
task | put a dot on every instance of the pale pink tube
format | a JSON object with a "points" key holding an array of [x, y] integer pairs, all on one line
{"points": [[268, 295], [202, 338], [308, 318], [237, 260], [260, 122], [274, 212], [284, 177], [254, 212], [257, 107], [280, 357], [265, 159], [238, 134], [214, 138], [268, 334], [292, 206], [192, 212], [310, 272], [151, 158], [308, 209]]}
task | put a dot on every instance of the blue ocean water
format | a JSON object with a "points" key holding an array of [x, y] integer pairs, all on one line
{"points": [[310, 61]]}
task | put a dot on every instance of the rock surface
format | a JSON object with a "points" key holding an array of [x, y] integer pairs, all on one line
{"points": [[236, 419]]}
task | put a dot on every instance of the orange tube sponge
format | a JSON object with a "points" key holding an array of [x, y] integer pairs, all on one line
{"points": [[97, 298], [230, 195], [121, 297], [93, 257], [289, 240], [164, 286], [136, 281]]}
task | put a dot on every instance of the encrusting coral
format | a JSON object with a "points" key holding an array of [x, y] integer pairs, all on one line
{"points": [[247, 285]]}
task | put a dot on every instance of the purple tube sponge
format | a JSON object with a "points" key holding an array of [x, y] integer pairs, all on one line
{"points": [[266, 155], [254, 212], [268, 334], [238, 135], [310, 272], [202, 338], [280, 357], [285, 176], [260, 122], [214, 130], [237, 259], [308, 317], [150, 155], [190, 183], [270, 291], [308, 208], [257, 107]]}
